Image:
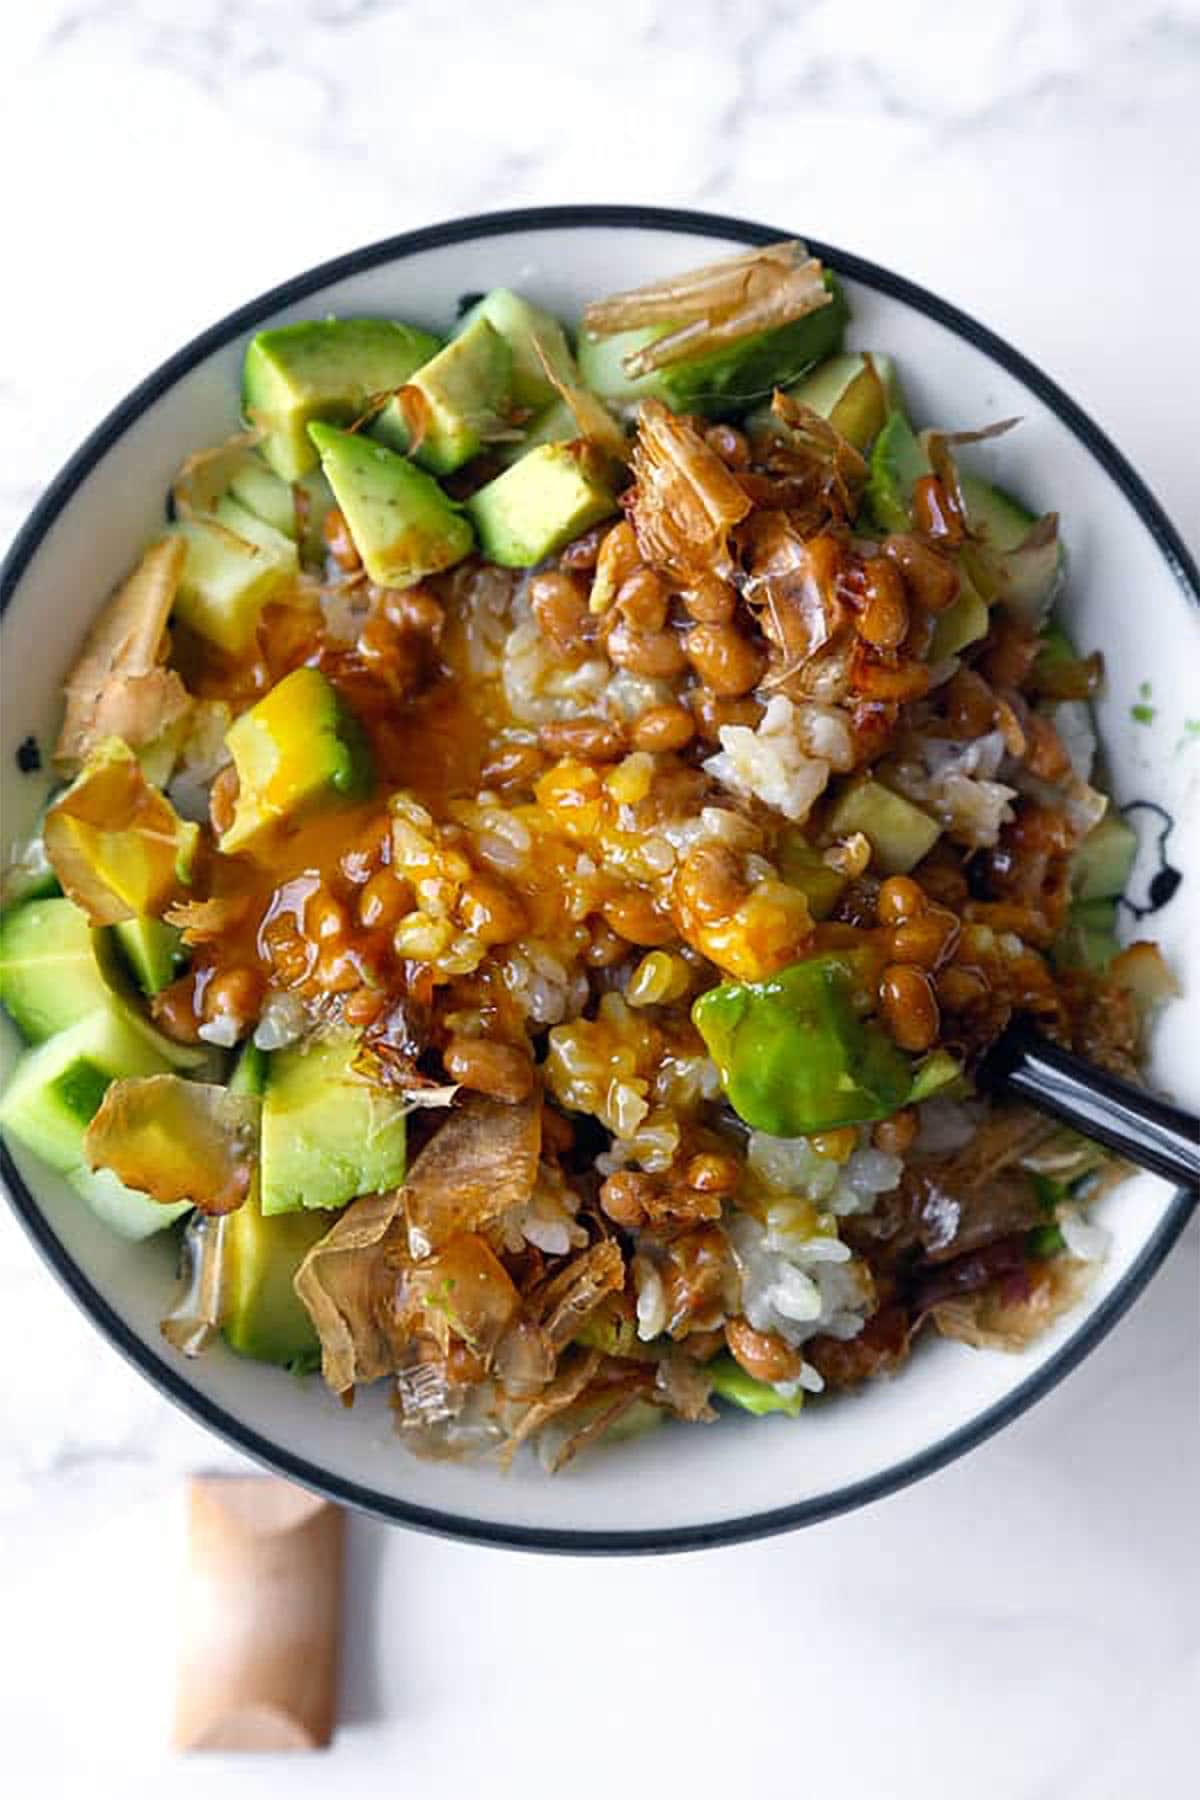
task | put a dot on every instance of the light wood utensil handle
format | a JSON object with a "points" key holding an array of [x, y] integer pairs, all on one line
{"points": [[258, 1669]]}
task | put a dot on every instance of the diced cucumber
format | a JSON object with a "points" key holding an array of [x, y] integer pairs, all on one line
{"points": [[730, 1382], [725, 383], [1088, 940], [48, 975], [900, 834], [153, 950], [125, 1211], [1100, 866], [278, 545], [327, 1134], [226, 581], [999, 518], [56, 1088], [282, 504]]}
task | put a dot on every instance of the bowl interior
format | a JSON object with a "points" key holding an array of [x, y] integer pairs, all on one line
{"points": [[677, 1485]]}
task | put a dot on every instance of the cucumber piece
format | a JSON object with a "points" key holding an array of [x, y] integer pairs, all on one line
{"points": [[130, 1214], [56, 1088], [900, 834], [48, 975], [1100, 866], [730, 1382], [227, 579], [725, 383], [1088, 940], [277, 545], [153, 950], [327, 1135], [994, 514]]}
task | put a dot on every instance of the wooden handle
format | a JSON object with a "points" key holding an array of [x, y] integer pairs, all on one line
{"points": [[258, 1669]]}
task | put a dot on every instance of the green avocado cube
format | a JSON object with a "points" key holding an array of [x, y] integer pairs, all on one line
{"points": [[328, 1135], [793, 1054], [262, 1315], [48, 975], [404, 527], [541, 503], [462, 396], [297, 750], [900, 834], [323, 369], [846, 390]]}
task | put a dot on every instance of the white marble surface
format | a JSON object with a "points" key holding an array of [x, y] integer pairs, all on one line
{"points": [[1026, 1622]]}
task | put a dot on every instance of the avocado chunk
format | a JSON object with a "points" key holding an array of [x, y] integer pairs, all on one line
{"points": [[48, 976], [535, 340], [297, 750], [1100, 866], [234, 564], [854, 395], [541, 503], [118, 846], [900, 834], [462, 398], [327, 1134], [262, 1316], [153, 950], [726, 382], [555, 424], [730, 1382], [323, 369], [295, 509], [404, 527], [57, 1087]]}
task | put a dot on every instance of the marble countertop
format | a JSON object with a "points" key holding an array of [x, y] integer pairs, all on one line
{"points": [[1026, 1622]]}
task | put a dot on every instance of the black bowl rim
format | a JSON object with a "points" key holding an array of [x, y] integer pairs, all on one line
{"points": [[167, 1378]]}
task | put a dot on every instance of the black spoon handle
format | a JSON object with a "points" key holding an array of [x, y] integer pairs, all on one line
{"points": [[1133, 1121]]}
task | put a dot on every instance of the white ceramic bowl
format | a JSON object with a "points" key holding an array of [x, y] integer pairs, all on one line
{"points": [[1133, 591]]}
